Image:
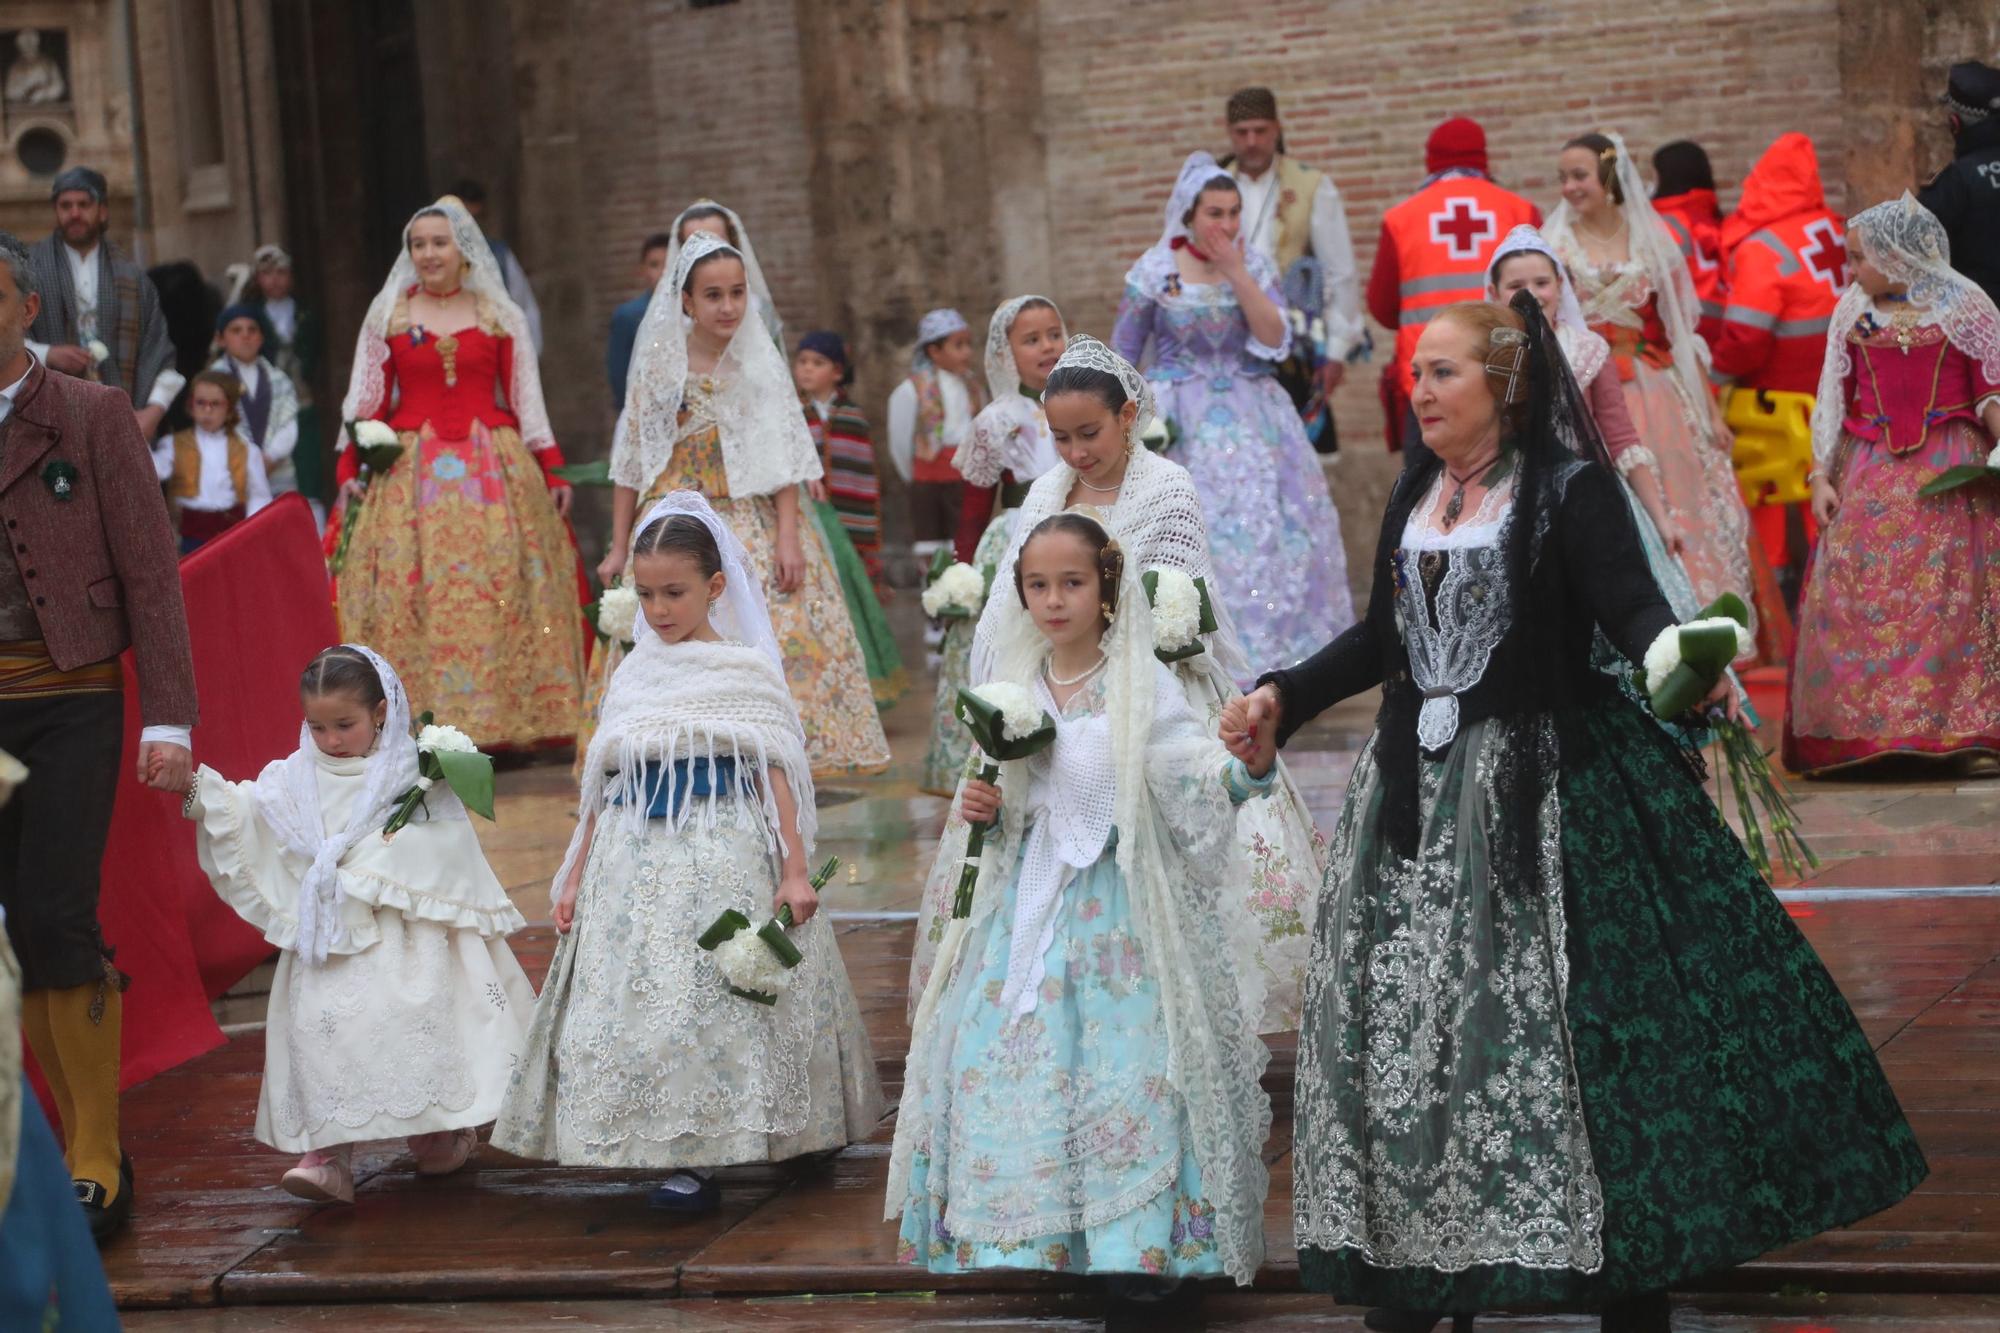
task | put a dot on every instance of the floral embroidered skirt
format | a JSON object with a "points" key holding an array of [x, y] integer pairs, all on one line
{"points": [[417, 1033], [1054, 1140], [864, 608], [462, 574], [1605, 1077], [638, 1055], [1275, 535], [1899, 628]]}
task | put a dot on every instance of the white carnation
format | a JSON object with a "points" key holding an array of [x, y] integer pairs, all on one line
{"points": [[99, 353], [371, 433], [1020, 715], [12, 774], [1662, 658], [1176, 610], [617, 613], [959, 590], [445, 740], [747, 963]]}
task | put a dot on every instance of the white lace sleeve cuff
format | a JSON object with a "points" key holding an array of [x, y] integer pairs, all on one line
{"points": [[1631, 460]]}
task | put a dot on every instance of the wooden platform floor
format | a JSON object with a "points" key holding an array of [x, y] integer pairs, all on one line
{"points": [[508, 1244]]}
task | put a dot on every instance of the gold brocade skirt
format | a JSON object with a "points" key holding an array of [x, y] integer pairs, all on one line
{"points": [[824, 665], [462, 575]]}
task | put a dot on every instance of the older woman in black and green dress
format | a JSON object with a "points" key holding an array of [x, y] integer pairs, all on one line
{"points": [[1561, 1044]]}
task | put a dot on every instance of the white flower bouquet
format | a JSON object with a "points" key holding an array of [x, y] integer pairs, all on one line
{"points": [[380, 447], [757, 964], [447, 755], [957, 593], [1182, 612], [99, 353], [614, 613], [1006, 723], [1159, 435], [1681, 667], [12, 774]]}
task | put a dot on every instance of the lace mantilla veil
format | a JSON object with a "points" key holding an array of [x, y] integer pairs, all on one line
{"points": [[287, 795], [766, 444], [1185, 911], [740, 613], [367, 386], [1152, 268], [1908, 244], [1003, 377], [1652, 245], [753, 272]]}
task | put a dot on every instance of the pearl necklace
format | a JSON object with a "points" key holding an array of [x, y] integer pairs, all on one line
{"points": [[1085, 482], [1049, 670]]}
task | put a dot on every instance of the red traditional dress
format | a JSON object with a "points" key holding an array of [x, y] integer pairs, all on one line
{"points": [[1899, 628], [460, 568]]}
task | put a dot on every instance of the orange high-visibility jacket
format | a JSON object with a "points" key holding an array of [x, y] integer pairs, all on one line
{"points": [[1696, 226], [1787, 257]]}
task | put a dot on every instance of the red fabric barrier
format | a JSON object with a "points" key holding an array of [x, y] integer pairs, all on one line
{"points": [[257, 609]]}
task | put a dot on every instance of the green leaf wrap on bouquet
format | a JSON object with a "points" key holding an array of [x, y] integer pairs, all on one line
{"points": [[1706, 652], [470, 777], [597, 472], [987, 723], [376, 460], [724, 927], [1965, 474]]}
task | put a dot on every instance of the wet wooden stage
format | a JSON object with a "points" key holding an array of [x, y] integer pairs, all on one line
{"points": [[506, 1244]]}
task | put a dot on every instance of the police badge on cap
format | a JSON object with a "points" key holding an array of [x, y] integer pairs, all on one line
{"points": [[1972, 93]]}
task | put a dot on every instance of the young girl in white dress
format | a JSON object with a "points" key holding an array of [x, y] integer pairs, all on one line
{"points": [[697, 798], [1082, 1087], [397, 1009]]}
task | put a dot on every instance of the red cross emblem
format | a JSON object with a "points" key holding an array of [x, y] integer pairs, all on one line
{"points": [[1825, 255], [1461, 225]]}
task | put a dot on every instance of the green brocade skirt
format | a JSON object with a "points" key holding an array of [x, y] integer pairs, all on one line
{"points": [[1628, 1071], [871, 624]]}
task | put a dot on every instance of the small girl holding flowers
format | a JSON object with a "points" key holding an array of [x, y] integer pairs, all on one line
{"points": [[397, 1009], [1082, 1086], [697, 800]]}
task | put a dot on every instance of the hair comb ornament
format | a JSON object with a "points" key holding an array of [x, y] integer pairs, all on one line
{"points": [[1507, 355]]}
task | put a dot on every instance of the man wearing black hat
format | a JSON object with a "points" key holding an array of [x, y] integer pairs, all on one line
{"points": [[1966, 195], [1290, 212], [100, 314]]}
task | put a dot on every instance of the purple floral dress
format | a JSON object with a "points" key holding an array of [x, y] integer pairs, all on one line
{"points": [[1272, 528]]}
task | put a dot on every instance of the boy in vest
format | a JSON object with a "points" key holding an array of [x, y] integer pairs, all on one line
{"points": [[267, 401], [930, 415], [214, 478], [1434, 250], [1291, 212]]}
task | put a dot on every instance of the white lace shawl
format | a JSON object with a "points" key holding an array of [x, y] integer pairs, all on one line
{"points": [[1178, 855], [367, 386], [1157, 518], [686, 701], [1908, 244], [1658, 257], [1010, 434], [287, 799], [766, 444]]}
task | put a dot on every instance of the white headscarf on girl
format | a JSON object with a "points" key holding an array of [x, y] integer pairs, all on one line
{"points": [[1003, 376], [670, 704], [1153, 268], [287, 795], [766, 444], [1908, 244], [367, 386], [1652, 245], [753, 272], [1586, 351]]}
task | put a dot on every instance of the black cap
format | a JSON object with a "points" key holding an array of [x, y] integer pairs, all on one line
{"points": [[1973, 90]]}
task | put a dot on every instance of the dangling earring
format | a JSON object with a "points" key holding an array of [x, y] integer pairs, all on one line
{"points": [[1110, 612]]}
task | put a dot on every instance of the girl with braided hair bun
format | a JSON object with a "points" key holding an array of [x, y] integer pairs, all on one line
{"points": [[1561, 1045]]}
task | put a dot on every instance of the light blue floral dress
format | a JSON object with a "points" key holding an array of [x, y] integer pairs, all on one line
{"points": [[1064, 1113]]}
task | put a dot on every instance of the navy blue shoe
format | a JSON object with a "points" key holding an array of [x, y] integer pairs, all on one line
{"points": [[704, 1199]]}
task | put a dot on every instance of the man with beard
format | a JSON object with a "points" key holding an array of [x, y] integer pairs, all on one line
{"points": [[100, 316]]}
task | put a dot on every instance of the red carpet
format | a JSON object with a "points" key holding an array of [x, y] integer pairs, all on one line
{"points": [[257, 611]]}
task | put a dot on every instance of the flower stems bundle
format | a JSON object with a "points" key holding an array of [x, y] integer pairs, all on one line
{"points": [[1182, 612], [379, 447], [445, 754], [757, 964], [1005, 724], [1681, 668]]}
